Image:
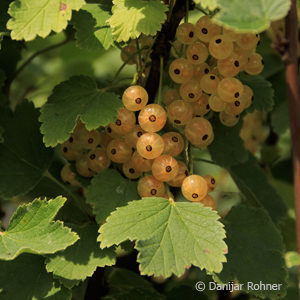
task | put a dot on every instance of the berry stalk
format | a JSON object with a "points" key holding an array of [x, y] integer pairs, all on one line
{"points": [[291, 71]]}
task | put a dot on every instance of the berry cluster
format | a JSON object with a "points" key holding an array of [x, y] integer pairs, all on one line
{"points": [[207, 59], [142, 152]]}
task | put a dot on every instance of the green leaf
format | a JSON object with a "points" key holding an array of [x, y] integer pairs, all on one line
{"points": [[26, 278], [255, 251], [209, 4], [32, 230], [239, 15], [109, 190], [292, 259], [30, 18], [170, 236], [101, 13], [23, 156], [76, 98], [227, 148], [81, 260], [253, 183], [263, 93], [132, 17]]}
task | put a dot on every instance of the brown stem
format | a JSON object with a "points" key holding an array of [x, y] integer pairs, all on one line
{"points": [[162, 46], [291, 72]]}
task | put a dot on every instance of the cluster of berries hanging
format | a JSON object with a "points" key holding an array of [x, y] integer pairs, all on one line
{"points": [[207, 57]]}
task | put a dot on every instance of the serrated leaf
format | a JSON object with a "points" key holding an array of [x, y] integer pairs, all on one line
{"points": [[263, 93], [81, 260], [23, 156], [227, 148], [31, 18], [102, 31], [32, 230], [255, 251], [73, 99], [239, 15], [26, 278], [253, 183], [170, 236], [109, 190], [132, 17], [209, 4]]}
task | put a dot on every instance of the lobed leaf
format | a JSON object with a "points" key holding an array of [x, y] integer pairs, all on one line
{"points": [[255, 251], [81, 259], [170, 236], [132, 17], [31, 18], [23, 156], [109, 190], [73, 99], [239, 15], [32, 230]]}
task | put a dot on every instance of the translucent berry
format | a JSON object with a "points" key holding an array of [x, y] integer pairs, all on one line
{"points": [[211, 182], [209, 83], [68, 176], [201, 107], [181, 175], [110, 131], [205, 29], [140, 163], [194, 188], [91, 140], [248, 41], [186, 33], [230, 66], [208, 201], [150, 145], [179, 112], [130, 170], [165, 167], [235, 108], [196, 53], [174, 143], [118, 151], [198, 131], [220, 47], [216, 103], [135, 98], [98, 160], [170, 95], [82, 166], [125, 122], [181, 70], [247, 97], [152, 118], [200, 70], [70, 152], [231, 34], [149, 186], [242, 57], [128, 55], [190, 91], [132, 137], [105, 139], [230, 89], [255, 64], [228, 120]]}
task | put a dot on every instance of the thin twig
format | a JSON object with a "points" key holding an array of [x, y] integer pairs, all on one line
{"points": [[161, 76], [291, 72], [34, 55]]}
